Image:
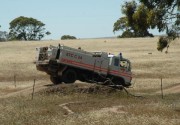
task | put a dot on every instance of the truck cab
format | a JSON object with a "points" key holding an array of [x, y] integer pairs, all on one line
{"points": [[121, 69]]}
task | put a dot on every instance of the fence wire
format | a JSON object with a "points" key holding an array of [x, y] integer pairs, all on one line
{"points": [[21, 72]]}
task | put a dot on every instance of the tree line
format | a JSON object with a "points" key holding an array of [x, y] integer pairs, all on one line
{"points": [[27, 28]]}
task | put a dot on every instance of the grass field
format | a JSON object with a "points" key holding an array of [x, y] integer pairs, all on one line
{"points": [[76, 107]]}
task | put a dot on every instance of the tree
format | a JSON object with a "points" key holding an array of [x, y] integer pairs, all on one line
{"points": [[3, 36], [136, 22], [24, 28], [166, 17], [66, 37]]}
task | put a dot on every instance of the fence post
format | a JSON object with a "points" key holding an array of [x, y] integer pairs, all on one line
{"points": [[162, 89], [33, 89], [15, 80]]}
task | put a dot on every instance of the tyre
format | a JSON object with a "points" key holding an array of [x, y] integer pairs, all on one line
{"points": [[118, 81], [69, 76], [55, 80]]}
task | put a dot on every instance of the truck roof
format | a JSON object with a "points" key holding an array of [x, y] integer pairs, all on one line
{"points": [[79, 50]]}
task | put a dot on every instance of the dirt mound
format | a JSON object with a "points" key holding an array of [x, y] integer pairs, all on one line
{"points": [[79, 88]]}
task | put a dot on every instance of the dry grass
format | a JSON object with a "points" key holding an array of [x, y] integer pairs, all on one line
{"points": [[89, 109], [148, 65], [18, 56]]}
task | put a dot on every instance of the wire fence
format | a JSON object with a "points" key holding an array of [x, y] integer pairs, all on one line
{"points": [[19, 74]]}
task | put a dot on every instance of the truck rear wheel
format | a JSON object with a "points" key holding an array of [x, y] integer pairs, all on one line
{"points": [[118, 81], [69, 76], [55, 80]]}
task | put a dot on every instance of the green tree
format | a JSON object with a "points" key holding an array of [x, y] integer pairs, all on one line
{"points": [[166, 17], [24, 28], [66, 37], [136, 22]]}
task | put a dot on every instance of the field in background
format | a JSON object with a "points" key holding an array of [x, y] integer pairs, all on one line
{"points": [[148, 66]]}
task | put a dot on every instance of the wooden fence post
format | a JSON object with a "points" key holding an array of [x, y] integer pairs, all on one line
{"points": [[162, 89], [33, 89], [15, 80]]}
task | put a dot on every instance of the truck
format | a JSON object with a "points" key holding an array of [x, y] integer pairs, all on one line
{"points": [[66, 64]]}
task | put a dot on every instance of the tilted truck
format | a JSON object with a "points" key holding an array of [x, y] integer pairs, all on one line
{"points": [[66, 64]]}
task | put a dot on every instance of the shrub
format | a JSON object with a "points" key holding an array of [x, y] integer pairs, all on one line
{"points": [[3, 36], [127, 34], [162, 43], [66, 37]]}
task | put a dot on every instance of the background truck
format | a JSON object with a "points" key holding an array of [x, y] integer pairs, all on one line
{"points": [[66, 64]]}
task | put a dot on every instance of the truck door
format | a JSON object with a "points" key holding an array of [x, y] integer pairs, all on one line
{"points": [[97, 65], [116, 64], [101, 66]]}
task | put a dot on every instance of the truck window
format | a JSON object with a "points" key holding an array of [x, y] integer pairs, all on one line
{"points": [[116, 62], [125, 64], [96, 54]]}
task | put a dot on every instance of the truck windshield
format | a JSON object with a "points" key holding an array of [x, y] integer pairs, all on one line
{"points": [[125, 64]]}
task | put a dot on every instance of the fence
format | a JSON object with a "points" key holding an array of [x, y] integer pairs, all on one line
{"points": [[21, 75]]}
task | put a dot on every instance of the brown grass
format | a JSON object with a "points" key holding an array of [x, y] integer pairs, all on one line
{"points": [[89, 109], [18, 56]]}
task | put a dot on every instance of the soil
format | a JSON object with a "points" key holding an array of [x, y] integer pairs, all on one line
{"points": [[79, 88]]}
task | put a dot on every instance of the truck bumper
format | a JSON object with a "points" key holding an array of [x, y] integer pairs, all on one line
{"points": [[43, 68]]}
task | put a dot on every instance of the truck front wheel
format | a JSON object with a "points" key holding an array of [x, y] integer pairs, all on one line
{"points": [[69, 76], [118, 81], [55, 80]]}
